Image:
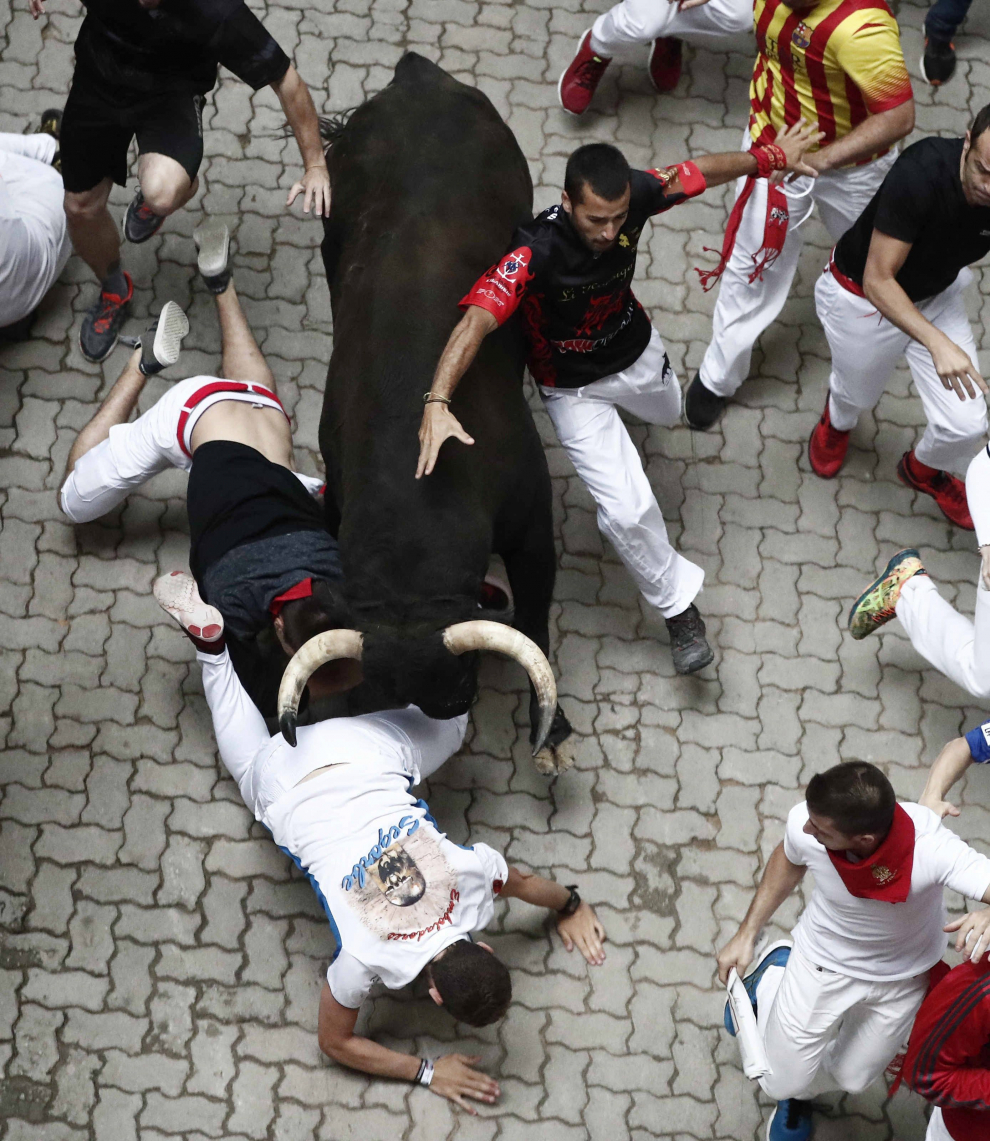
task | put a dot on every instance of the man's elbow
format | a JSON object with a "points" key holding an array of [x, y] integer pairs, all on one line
{"points": [[334, 1048], [874, 281]]}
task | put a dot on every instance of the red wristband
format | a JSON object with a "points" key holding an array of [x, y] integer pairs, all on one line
{"points": [[769, 158]]}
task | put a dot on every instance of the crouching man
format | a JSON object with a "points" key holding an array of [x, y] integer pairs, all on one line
{"points": [[835, 1006], [402, 899]]}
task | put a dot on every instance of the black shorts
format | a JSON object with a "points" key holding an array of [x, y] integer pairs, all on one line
{"points": [[97, 129]]}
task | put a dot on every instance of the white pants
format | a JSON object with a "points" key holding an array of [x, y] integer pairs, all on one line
{"points": [[865, 349], [594, 437], [34, 241], [745, 309], [825, 1031], [952, 643], [633, 22], [936, 1127]]}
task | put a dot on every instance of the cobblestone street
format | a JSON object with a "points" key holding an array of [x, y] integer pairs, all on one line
{"points": [[160, 959]]}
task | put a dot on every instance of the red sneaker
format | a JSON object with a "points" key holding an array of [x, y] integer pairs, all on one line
{"points": [[577, 85], [665, 63], [827, 447], [947, 491]]}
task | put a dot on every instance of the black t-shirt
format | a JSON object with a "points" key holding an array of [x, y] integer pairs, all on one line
{"points": [[581, 318], [176, 47], [921, 201]]}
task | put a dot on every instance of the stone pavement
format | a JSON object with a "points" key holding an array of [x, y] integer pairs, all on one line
{"points": [[160, 959]]}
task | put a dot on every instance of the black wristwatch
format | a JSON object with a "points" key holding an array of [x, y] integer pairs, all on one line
{"points": [[573, 901]]}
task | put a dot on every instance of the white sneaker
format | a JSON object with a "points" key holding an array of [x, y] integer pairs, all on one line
{"points": [[213, 242], [162, 343], [178, 595]]}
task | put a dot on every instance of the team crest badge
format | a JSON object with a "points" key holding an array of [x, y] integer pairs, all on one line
{"points": [[882, 874], [801, 37]]}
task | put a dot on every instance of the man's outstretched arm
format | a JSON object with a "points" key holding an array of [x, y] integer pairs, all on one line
{"points": [[297, 103], [580, 929]]}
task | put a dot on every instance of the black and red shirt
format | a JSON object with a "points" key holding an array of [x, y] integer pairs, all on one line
{"points": [[582, 320]]}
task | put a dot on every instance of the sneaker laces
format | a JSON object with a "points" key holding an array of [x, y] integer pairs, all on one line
{"points": [[685, 628], [144, 212], [109, 305], [951, 489], [589, 71]]}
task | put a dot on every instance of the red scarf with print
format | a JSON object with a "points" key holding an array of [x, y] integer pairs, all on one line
{"points": [[774, 233], [886, 874]]}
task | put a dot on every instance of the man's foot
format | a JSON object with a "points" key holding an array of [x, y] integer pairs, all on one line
{"points": [[581, 78], [51, 124], [702, 407], [827, 447], [665, 63], [947, 491], [688, 646], [178, 595], [101, 325], [938, 64], [790, 1121], [140, 222], [876, 605], [213, 242], [774, 955], [162, 342]]}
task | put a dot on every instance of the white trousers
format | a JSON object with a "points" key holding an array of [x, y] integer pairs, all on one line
{"points": [[744, 309], [34, 240], [824, 1031], [865, 350], [936, 1127], [634, 22], [953, 644], [591, 432]]}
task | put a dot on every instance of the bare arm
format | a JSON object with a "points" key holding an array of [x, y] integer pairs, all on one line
{"points": [[875, 133], [297, 103], [582, 929], [956, 371], [780, 878], [948, 768], [794, 141]]}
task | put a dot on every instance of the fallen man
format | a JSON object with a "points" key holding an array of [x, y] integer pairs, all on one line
{"points": [[402, 899]]}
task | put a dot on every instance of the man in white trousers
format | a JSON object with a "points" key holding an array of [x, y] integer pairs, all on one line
{"points": [[663, 24], [835, 1006], [34, 240], [835, 63], [402, 900]]}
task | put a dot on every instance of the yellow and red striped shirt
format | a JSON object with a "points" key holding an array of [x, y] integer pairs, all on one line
{"points": [[834, 64]]}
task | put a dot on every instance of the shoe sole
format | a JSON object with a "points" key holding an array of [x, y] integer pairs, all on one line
{"points": [[911, 552], [173, 325], [175, 599], [213, 242], [560, 82]]}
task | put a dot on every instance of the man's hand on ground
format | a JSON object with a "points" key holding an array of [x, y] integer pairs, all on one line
{"points": [[583, 930], [738, 953], [455, 1078], [314, 186], [438, 424], [972, 934]]}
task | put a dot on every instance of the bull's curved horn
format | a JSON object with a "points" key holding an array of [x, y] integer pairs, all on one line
{"points": [[481, 635], [326, 647]]}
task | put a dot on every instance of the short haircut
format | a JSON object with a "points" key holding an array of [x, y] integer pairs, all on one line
{"points": [[475, 986], [599, 166], [304, 618], [980, 124], [855, 796]]}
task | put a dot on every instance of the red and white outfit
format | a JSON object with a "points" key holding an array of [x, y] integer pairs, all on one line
{"points": [[843, 1007], [633, 23]]}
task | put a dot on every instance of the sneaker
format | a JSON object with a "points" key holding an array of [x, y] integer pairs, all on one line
{"points": [[775, 955], [702, 407], [947, 491], [213, 242], [827, 447], [790, 1121], [876, 605], [581, 78], [101, 325], [665, 63], [161, 344], [51, 123], [688, 645], [178, 595], [140, 222], [938, 64]]}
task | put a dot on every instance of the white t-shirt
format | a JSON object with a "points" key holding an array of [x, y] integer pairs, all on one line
{"points": [[869, 938]]}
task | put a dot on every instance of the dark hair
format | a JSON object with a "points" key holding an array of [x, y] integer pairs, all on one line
{"points": [[855, 796], [980, 124], [304, 618], [475, 986], [600, 166]]}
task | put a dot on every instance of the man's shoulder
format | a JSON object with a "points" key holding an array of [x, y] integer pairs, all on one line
{"points": [[926, 822], [851, 19]]}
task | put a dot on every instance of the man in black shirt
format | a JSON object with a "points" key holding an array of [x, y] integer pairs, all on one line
{"points": [[592, 349], [144, 68], [894, 286]]}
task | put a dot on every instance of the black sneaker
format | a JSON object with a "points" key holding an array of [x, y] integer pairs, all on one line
{"points": [[938, 64], [701, 406], [101, 325], [51, 124], [688, 646], [161, 344], [213, 242], [141, 223]]}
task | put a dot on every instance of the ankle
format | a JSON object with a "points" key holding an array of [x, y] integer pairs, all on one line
{"points": [[115, 281]]}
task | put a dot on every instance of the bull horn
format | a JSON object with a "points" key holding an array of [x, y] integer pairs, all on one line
{"points": [[481, 635], [326, 647]]}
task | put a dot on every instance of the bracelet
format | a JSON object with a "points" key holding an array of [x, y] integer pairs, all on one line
{"points": [[425, 1074], [435, 398], [573, 901]]}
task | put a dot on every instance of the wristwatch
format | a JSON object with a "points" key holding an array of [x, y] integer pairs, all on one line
{"points": [[573, 901]]}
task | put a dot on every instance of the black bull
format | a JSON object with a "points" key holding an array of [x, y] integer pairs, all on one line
{"points": [[428, 185]]}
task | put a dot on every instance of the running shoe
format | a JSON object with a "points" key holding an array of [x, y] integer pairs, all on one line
{"points": [[938, 64], [51, 123], [580, 80], [213, 243], [702, 407], [101, 325], [665, 63], [162, 343], [876, 605], [177, 594], [773, 955], [688, 645], [947, 491], [827, 447], [140, 221], [790, 1121]]}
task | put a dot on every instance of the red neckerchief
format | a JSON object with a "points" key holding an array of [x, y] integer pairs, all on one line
{"points": [[886, 874], [774, 233], [301, 590]]}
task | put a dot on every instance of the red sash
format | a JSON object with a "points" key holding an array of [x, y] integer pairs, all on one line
{"points": [[886, 874]]}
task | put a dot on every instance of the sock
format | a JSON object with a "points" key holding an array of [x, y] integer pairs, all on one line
{"points": [[115, 281]]}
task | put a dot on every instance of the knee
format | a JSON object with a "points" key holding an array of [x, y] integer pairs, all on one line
{"points": [[83, 208], [164, 192]]}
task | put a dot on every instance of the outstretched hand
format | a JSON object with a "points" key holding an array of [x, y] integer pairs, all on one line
{"points": [[584, 931], [972, 934], [438, 424], [795, 141], [455, 1078], [37, 8], [314, 186]]}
